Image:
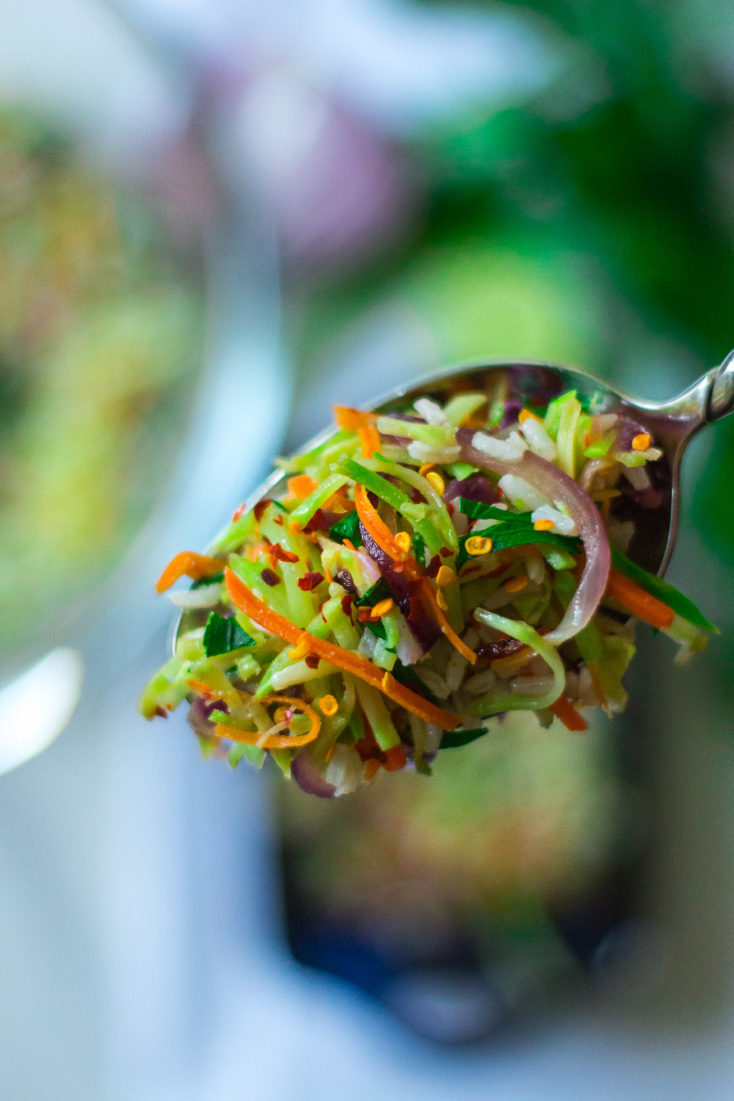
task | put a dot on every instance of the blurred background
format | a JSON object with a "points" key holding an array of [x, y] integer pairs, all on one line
{"points": [[217, 218]]}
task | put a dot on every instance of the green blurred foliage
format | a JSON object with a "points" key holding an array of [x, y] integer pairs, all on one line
{"points": [[101, 325], [592, 224]]}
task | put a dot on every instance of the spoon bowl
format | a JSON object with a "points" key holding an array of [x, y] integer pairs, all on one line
{"points": [[671, 424]]}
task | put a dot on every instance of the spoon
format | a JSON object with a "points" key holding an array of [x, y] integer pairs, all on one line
{"points": [[672, 424]]}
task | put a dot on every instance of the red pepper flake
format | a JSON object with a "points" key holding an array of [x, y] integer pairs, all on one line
{"points": [[433, 566], [310, 581], [260, 507], [415, 610], [394, 759], [270, 577], [322, 520], [278, 554], [445, 552], [364, 615], [450, 508], [238, 512], [312, 661], [347, 604]]}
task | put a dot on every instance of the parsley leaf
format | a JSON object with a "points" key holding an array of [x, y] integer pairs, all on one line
{"points": [[513, 529], [223, 634], [347, 528]]}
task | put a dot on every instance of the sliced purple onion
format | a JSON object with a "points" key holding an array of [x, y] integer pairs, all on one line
{"points": [[510, 413], [644, 498], [474, 488], [556, 486], [422, 625], [199, 712], [305, 772], [345, 579], [627, 430]]}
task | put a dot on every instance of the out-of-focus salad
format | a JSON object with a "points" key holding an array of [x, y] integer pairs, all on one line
{"points": [[419, 573], [100, 329]]}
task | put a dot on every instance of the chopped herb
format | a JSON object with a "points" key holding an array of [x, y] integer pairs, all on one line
{"points": [[418, 545], [223, 634], [202, 581], [347, 528], [377, 592], [453, 739], [513, 529], [478, 510], [410, 679]]}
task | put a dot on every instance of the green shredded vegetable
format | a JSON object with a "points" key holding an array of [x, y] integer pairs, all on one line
{"points": [[403, 619]]}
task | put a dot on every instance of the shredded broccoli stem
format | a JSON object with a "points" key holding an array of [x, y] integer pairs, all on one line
{"points": [[487, 573], [495, 702]]}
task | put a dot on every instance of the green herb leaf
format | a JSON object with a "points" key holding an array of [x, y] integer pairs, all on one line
{"points": [[477, 510], [347, 528], [410, 679], [513, 529], [223, 634], [418, 546], [663, 590], [202, 581], [453, 739], [377, 592]]}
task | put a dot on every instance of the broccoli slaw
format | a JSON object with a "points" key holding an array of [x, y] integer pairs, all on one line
{"points": [[420, 572]]}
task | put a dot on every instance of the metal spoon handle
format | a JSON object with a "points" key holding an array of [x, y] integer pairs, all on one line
{"points": [[710, 397], [720, 399]]}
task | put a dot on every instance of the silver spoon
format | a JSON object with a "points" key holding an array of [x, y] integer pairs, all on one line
{"points": [[672, 424]]}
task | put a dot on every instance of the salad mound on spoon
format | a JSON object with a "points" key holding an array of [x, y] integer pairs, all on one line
{"points": [[418, 573]]}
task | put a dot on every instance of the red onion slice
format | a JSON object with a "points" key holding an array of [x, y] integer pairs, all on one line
{"points": [[309, 778], [555, 485]]}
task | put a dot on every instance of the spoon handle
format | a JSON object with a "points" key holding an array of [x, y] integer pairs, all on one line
{"points": [[720, 398]]}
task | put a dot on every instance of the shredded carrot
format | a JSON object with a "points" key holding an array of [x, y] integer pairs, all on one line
{"points": [[369, 438], [363, 424], [380, 532], [394, 759], [206, 690], [351, 662], [564, 710], [637, 601], [371, 768], [189, 563], [301, 486], [352, 419], [267, 741], [259, 737]]}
